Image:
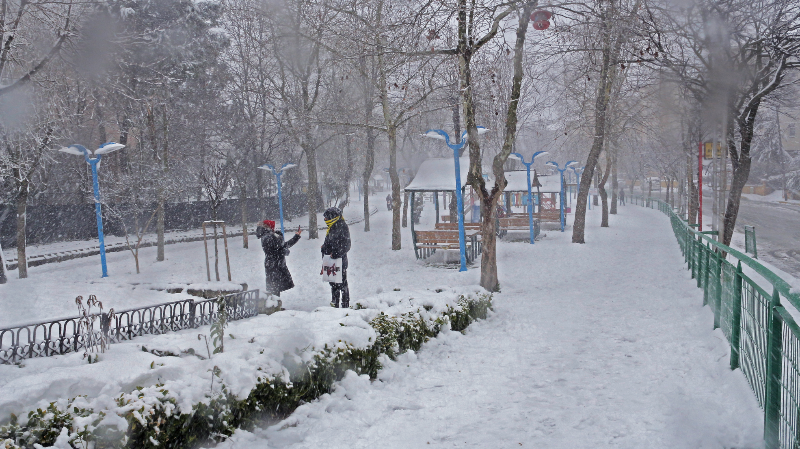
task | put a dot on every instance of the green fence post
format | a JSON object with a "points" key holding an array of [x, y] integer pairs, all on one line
{"points": [[736, 316], [700, 259], [772, 399], [718, 289]]}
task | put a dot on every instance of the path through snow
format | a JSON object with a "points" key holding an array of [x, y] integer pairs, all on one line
{"points": [[590, 346]]}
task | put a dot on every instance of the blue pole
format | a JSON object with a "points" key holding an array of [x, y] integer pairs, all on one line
{"points": [[98, 212], [530, 202], [459, 197], [562, 198], [280, 200], [460, 205]]}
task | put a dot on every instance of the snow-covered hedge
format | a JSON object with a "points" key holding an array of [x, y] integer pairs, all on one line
{"points": [[171, 415]]}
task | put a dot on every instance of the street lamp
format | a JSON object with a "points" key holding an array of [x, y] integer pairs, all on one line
{"points": [[530, 194], [562, 170], [278, 174], [578, 173], [93, 159], [441, 135]]}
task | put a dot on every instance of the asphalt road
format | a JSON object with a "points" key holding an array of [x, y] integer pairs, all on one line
{"points": [[777, 232]]}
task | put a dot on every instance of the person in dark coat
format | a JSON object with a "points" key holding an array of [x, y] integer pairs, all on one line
{"points": [[275, 251], [621, 196], [336, 245]]}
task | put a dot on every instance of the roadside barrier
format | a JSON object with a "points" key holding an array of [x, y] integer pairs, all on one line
{"points": [[747, 300]]}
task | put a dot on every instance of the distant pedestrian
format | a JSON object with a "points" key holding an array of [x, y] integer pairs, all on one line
{"points": [[275, 251], [389, 202], [336, 245], [621, 196]]}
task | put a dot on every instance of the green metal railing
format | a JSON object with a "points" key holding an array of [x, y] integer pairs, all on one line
{"points": [[750, 240], [763, 335]]}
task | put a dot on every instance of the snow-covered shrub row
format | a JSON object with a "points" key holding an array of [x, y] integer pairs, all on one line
{"points": [[173, 414]]}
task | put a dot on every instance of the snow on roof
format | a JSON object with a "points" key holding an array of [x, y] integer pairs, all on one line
{"points": [[518, 182], [439, 174]]}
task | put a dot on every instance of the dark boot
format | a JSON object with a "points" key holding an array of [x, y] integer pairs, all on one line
{"points": [[345, 297], [334, 296]]}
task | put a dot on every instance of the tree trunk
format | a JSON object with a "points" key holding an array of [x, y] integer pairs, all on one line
{"points": [[741, 172], [216, 247], [161, 191], [614, 182], [243, 201], [405, 209], [369, 165], [488, 200], [348, 172], [160, 227], [312, 194], [602, 188], [608, 71], [396, 239], [22, 211], [781, 154]]}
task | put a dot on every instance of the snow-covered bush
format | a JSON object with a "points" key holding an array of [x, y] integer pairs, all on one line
{"points": [[151, 417]]}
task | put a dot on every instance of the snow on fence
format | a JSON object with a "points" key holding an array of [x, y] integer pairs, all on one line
{"points": [[746, 298], [66, 335]]}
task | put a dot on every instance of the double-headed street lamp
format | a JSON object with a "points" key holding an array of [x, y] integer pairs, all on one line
{"points": [[439, 134], [93, 159], [278, 174], [530, 194], [562, 170]]}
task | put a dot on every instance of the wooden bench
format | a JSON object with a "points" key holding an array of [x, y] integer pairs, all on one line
{"points": [[427, 242], [550, 215], [454, 226], [517, 222]]}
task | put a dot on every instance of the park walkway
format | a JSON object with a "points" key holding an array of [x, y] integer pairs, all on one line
{"points": [[590, 346]]}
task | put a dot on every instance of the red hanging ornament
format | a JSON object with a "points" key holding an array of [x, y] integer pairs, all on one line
{"points": [[541, 25], [540, 19]]}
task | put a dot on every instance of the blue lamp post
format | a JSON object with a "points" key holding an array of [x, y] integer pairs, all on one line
{"points": [[278, 174], [561, 171], [93, 159], [439, 134], [530, 194]]}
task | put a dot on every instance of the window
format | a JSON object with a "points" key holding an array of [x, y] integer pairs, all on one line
{"points": [[792, 131]]}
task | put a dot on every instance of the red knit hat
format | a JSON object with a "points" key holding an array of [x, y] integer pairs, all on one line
{"points": [[269, 223]]}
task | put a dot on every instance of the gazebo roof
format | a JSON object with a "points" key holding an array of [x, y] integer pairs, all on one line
{"points": [[438, 175], [518, 182]]}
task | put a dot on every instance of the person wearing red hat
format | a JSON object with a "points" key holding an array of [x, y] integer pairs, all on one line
{"points": [[275, 251]]}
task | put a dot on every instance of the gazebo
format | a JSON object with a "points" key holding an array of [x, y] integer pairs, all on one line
{"points": [[437, 176], [546, 192]]}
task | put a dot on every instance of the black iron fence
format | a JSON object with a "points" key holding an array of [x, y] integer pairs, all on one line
{"points": [[48, 223], [67, 335]]}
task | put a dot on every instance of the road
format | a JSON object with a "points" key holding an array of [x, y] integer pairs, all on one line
{"points": [[777, 232]]}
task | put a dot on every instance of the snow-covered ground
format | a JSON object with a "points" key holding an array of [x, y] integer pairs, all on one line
{"points": [[50, 290], [590, 346], [774, 197], [598, 345]]}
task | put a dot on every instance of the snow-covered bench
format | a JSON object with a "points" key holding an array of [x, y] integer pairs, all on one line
{"points": [[426, 243]]}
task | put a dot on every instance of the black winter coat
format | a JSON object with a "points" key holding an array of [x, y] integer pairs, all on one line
{"points": [[275, 251], [337, 242]]}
